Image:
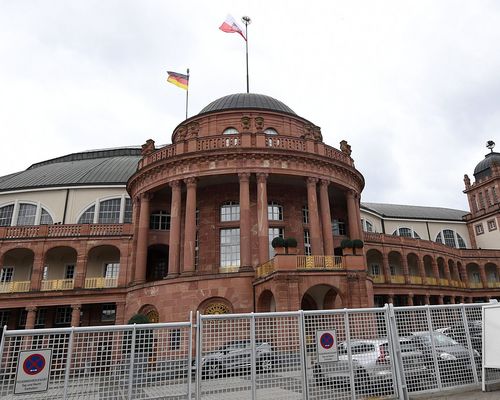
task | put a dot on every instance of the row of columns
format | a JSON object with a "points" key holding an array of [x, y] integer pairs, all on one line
{"points": [[427, 299], [320, 225], [75, 315]]}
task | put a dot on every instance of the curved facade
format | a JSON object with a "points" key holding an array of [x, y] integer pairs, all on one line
{"points": [[96, 237]]}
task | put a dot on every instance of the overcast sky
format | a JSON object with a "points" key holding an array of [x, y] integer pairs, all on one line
{"points": [[413, 86]]}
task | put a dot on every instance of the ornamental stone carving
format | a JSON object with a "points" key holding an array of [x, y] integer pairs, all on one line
{"points": [[193, 130], [245, 123], [345, 148], [259, 123], [467, 181], [148, 147]]}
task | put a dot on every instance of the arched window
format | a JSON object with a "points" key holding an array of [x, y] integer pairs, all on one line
{"points": [[24, 215], [367, 225], [230, 211], [406, 232], [230, 131], [271, 131], [274, 211], [88, 216], [110, 211], [450, 238]]}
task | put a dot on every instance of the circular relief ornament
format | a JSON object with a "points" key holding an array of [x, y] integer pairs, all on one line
{"points": [[217, 308], [153, 316]]}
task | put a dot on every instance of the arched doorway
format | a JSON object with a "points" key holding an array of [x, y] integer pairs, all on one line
{"points": [[266, 302], [321, 297]]}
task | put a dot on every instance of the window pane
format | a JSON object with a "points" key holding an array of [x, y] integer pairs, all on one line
{"points": [[127, 214], [338, 227], [307, 243], [449, 238], [230, 211], [6, 274], [6, 215], [461, 242], [27, 213], [111, 270], [274, 232], [88, 216], [275, 212], [230, 248], [45, 218], [109, 211], [108, 312], [160, 220]]}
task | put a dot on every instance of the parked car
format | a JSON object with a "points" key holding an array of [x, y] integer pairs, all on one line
{"points": [[371, 364], [235, 357], [457, 333], [453, 359]]}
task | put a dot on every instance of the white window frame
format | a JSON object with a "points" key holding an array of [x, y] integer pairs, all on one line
{"points": [[272, 235], [233, 248], [275, 209], [414, 234], [233, 214], [307, 243], [115, 269], [17, 205], [479, 229], [6, 274], [68, 267], [492, 225], [455, 235], [97, 206]]}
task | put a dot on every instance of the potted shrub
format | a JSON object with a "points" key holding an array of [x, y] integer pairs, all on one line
{"points": [[291, 245], [278, 244], [347, 247], [357, 244]]}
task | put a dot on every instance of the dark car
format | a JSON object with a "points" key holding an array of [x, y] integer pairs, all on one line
{"points": [[452, 357], [236, 357]]}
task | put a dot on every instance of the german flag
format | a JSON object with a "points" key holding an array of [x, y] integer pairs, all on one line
{"points": [[179, 80]]}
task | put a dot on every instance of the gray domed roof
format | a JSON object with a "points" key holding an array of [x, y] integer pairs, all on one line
{"points": [[247, 101], [483, 169]]}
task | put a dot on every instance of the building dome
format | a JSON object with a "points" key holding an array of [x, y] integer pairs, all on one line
{"points": [[483, 169], [247, 101]]}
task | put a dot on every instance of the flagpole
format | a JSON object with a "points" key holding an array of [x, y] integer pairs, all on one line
{"points": [[247, 21], [187, 94]]}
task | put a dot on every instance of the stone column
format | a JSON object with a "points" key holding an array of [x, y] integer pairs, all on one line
{"points": [[37, 271], [390, 298], [406, 270], [142, 240], [262, 218], [81, 268], [427, 299], [75, 315], [482, 273], [314, 227], [435, 269], [447, 272], [463, 275], [326, 217], [440, 299], [245, 223], [410, 299], [175, 230], [421, 269], [386, 268], [190, 226], [452, 299], [30, 317], [120, 313], [352, 215]]}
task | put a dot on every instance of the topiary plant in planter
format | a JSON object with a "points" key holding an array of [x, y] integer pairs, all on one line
{"points": [[290, 242], [346, 244], [138, 319], [278, 242], [357, 244]]}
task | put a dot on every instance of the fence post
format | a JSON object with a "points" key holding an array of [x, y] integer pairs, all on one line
{"points": [[469, 343], [254, 356], [303, 357], [393, 336], [131, 367], [349, 353], [198, 355], [433, 347], [68, 362], [190, 352]]}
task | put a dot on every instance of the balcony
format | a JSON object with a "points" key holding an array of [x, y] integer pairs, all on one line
{"points": [[57, 284], [100, 282], [301, 263], [378, 279], [475, 285], [443, 282], [416, 280], [493, 284], [431, 281], [399, 279], [15, 287]]}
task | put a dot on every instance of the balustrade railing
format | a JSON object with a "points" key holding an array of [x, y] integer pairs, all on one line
{"points": [[476, 285], [398, 279], [15, 286], [57, 284], [494, 284], [320, 262], [100, 282], [378, 279], [416, 280], [431, 281], [443, 282], [67, 230], [265, 269]]}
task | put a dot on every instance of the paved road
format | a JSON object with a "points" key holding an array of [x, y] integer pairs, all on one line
{"points": [[474, 394]]}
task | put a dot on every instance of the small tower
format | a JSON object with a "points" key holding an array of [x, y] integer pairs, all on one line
{"points": [[484, 201]]}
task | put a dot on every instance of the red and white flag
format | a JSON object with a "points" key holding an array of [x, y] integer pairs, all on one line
{"points": [[230, 26]]}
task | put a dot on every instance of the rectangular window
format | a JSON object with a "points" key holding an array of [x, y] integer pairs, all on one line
{"points": [[274, 212], [307, 243], [6, 274], [375, 269], [230, 211], [338, 227], [274, 232], [26, 215], [109, 211], [40, 318], [230, 248], [63, 316], [111, 270], [45, 273], [479, 229], [492, 225], [6, 215], [21, 324], [69, 272], [305, 215], [197, 251], [108, 312], [160, 220], [4, 318]]}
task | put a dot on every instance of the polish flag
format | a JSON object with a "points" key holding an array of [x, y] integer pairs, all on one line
{"points": [[230, 26]]}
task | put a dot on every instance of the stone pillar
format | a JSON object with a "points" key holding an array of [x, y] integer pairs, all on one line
{"points": [[386, 268], [262, 218], [142, 239], [440, 299], [190, 226], [245, 223], [452, 299], [435, 269], [81, 268], [410, 299], [427, 299], [314, 227], [175, 230], [406, 270], [421, 269], [482, 272], [352, 215], [326, 217], [390, 298], [30, 317], [463, 275], [447, 273], [120, 313], [37, 271], [75, 314]]}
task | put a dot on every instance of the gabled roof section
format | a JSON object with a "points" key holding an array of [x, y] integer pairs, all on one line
{"points": [[414, 212], [98, 167]]}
